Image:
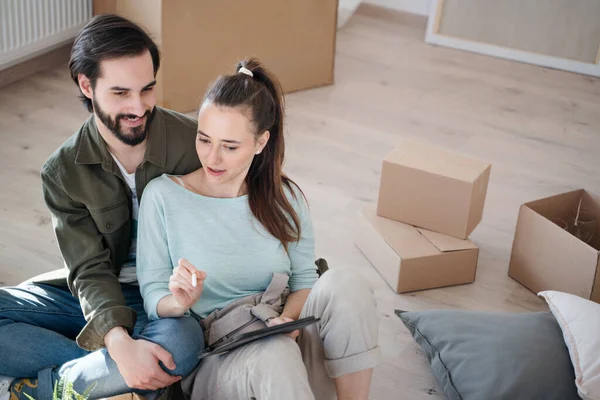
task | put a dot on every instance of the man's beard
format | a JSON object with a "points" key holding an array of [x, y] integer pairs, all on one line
{"points": [[137, 134]]}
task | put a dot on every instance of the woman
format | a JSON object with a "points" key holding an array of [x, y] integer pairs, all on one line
{"points": [[234, 223]]}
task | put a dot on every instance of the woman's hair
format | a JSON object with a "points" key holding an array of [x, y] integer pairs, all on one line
{"points": [[257, 92], [106, 37]]}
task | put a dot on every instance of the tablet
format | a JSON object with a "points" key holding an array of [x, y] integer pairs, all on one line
{"points": [[259, 334]]}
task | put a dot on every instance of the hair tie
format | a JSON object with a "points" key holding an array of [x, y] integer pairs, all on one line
{"points": [[246, 71]]}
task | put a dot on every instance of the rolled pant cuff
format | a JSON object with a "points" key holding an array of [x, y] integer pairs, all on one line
{"points": [[351, 364], [45, 387]]}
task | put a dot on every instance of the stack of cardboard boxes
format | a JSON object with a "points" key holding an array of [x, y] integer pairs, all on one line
{"points": [[430, 200]]}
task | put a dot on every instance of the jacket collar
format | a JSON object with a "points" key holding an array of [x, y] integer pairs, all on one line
{"points": [[92, 149]]}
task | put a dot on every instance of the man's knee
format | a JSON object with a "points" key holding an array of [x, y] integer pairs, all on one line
{"points": [[11, 306], [7, 300], [183, 339]]}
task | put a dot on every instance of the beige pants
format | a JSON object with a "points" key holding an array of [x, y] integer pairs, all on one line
{"points": [[342, 342]]}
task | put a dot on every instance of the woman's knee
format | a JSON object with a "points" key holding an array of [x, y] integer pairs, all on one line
{"points": [[276, 355], [344, 288]]}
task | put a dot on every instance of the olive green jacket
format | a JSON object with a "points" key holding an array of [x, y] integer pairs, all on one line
{"points": [[91, 214]]}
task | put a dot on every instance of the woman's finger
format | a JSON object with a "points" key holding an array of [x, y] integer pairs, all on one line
{"points": [[183, 272], [185, 264], [175, 286], [180, 271], [191, 269], [178, 283], [184, 282]]}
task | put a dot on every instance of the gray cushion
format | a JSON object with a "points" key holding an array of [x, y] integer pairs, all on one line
{"points": [[488, 356]]}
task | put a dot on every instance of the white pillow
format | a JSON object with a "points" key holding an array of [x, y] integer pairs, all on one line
{"points": [[579, 320]]}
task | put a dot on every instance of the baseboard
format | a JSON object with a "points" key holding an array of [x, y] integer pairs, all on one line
{"points": [[51, 59], [419, 7], [388, 14]]}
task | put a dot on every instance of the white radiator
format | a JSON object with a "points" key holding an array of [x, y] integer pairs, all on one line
{"points": [[32, 27]]}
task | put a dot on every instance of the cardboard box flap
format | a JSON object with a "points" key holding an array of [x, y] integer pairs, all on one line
{"points": [[405, 239], [596, 288], [564, 206], [447, 243], [591, 203], [437, 161], [556, 206], [590, 200]]}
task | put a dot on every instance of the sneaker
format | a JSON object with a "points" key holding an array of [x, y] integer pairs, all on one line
{"points": [[5, 382], [23, 389]]}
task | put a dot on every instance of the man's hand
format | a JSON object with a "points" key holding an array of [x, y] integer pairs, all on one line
{"points": [[138, 360], [181, 284], [281, 320]]}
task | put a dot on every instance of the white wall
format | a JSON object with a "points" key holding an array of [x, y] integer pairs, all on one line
{"points": [[421, 7]]}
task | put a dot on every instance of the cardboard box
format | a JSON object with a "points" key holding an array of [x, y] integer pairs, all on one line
{"points": [[546, 257], [200, 39], [127, 396], [411, 258], [433, 188]]}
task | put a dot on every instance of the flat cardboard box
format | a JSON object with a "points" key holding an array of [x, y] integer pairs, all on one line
{"points": [[547, 257], [411, 258], [201, 39], [433, 188]]}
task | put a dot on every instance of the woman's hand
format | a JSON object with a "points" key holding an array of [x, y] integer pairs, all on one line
{"points": [[281, 320], [181, 284]]}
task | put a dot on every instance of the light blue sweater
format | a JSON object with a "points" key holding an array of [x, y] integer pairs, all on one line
{"points": [[220, 236]]}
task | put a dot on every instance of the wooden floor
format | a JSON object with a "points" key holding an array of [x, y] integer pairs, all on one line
{"points": [[540, 129]]}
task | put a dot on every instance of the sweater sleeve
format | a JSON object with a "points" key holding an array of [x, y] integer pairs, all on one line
{"points": [[154, 266], [302, 253]]}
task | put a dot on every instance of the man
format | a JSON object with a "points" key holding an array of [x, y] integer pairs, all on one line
{"points": [[89, 326]]}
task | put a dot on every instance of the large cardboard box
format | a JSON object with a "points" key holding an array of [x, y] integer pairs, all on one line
{"points": [[547, 257], [433, 188], [200, 39], [411, 258]]}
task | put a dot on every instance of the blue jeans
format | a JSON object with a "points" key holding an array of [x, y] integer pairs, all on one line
{"points": [[38, 327]]}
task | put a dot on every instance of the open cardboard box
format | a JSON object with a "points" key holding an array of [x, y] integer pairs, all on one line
{"points": [[411, 258], [546, 257], [433, 188]]}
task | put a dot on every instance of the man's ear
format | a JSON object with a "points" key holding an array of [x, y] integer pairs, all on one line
{"points": [[85, 85]]}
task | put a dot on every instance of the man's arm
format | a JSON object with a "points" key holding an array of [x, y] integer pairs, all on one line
{"points": [[92, 277]]}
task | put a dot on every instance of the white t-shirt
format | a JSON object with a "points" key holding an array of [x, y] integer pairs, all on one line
{"points": [[128, 274]]}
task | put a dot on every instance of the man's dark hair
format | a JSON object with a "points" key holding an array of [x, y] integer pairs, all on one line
{"points": [[106, 37]]}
